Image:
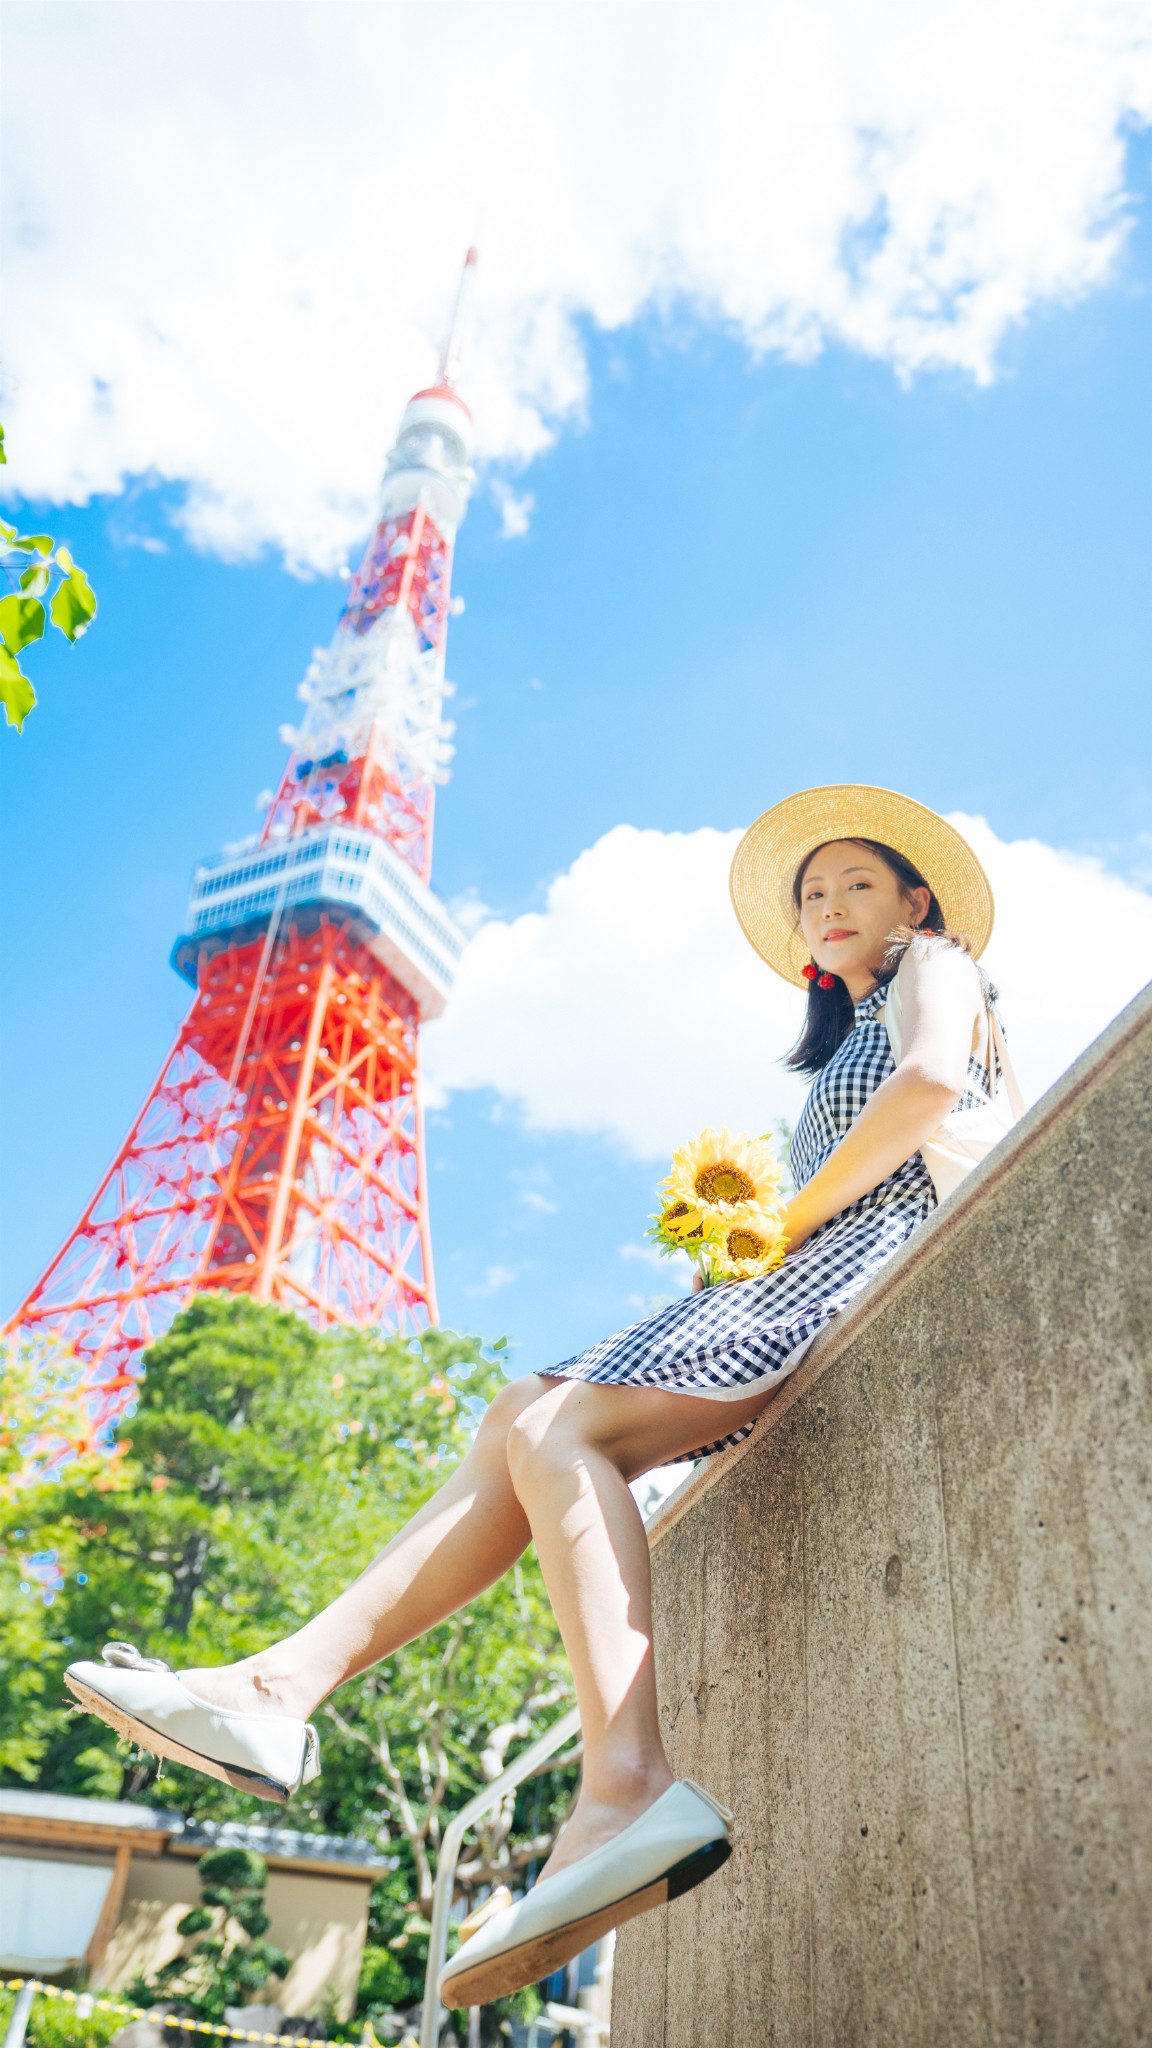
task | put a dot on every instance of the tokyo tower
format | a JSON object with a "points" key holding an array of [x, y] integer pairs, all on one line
{"points": [[280, 1151]]}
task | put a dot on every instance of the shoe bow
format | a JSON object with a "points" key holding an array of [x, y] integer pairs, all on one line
{"points": [[128, 1658]]}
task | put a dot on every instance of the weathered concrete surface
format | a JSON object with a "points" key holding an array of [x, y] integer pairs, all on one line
{"points": [[907, 1635]]}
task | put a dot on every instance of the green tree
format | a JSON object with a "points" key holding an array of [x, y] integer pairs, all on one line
{"points": [[268, 1464], [226, 1959], [44, 1429], [44, 585]]}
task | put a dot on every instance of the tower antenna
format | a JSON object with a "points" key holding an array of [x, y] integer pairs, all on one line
{"points": [[452, 350]]}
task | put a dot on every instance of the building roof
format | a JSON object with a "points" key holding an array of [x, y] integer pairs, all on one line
{"points": [[121, 1814], [53, 1815], [283, 1845]]}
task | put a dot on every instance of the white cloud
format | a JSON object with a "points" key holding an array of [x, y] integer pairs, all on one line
{"points": [[515, 508], [533, 1199], [232, 233], [632, 1006], [468, 910], [495, 1277]]}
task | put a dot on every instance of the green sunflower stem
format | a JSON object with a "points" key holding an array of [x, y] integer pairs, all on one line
{"points": [[706, 1267]]}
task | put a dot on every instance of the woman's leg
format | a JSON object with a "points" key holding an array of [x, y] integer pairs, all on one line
{"points": [[552, 1460], [467, 1535], [571, 1454]]}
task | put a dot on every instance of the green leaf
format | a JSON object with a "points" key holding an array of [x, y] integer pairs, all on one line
{"points": [[233, 1866], [251, 1916], [34, 582], [74, 605], [7, 533], [16, 692], [34, 543], [3, 457], [21, 622]]}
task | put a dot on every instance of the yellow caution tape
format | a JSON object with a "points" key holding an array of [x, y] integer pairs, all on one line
{"points": [[141, 2012]]}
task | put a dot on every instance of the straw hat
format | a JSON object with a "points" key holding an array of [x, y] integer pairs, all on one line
{"points": [[765, 863]]}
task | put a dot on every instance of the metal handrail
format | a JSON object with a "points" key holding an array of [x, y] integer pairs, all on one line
{"points": [[433, 2015]]}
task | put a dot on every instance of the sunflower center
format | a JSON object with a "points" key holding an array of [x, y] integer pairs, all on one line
{"points": [[744, 1244], [723, 1182]]}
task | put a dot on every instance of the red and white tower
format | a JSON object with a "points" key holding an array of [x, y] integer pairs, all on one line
{"points": [[280, 1151]]}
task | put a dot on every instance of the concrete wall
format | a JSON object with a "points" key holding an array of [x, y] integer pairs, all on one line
{"points": [[907, 1634]]}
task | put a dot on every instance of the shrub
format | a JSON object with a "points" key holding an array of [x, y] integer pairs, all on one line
{"points": [[55, 2023], [228, 1959]]}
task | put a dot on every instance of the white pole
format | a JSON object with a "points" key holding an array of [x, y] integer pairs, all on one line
{"points": [[18, 2024], [432, 2016]]}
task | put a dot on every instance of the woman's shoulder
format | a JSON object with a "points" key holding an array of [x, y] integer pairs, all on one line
{"points": [[938, 963]]}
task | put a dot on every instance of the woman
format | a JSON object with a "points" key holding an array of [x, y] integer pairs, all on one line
{"points": [[834, 888]]}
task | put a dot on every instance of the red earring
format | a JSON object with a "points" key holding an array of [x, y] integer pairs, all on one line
{"points": [[826, 981], [810, 971]]}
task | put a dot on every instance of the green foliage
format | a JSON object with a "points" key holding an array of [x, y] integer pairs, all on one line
{"points": [[28, 561], [22, 620], [195, 1922], [73, 608], [16, 692], [227, 1960], [228, 1870], [43, 1419], [268, 1464], [384, 1983], [55, 2023], [252, 1917]]}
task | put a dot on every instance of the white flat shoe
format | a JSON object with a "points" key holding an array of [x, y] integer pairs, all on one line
{"points": [[269, 1755], [679, 1842]]}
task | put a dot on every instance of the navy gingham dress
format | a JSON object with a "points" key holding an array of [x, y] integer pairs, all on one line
{"points": [[727, 1341]]}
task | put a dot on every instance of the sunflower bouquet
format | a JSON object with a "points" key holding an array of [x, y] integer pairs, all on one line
{"points": [[721, 1202]]}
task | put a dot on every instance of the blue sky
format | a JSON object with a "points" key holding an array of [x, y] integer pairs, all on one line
{"points": [[742, 575]]}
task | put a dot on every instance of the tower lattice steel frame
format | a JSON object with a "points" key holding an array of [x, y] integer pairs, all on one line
{"points": [[280, 1151]]}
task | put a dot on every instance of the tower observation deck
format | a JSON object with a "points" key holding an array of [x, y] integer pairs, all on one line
{"points": [[280, 1151]]}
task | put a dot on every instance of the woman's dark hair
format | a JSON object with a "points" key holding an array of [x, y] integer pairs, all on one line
{"points": [[831, 1012]]}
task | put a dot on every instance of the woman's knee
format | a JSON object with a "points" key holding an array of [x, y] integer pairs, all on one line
{"points": [[504, 1408], [552, 1428]]}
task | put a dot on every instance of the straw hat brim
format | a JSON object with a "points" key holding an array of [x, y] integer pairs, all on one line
{"points": [[766, 861]]}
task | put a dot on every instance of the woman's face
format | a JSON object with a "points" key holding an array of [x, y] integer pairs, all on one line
{"points": [[850, 901]]}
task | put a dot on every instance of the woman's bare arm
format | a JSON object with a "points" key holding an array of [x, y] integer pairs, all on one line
{"points": [[942, 1001]]}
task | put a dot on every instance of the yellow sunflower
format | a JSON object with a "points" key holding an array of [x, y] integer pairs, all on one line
{"points": [[720, 1172], [751, 1244], [679, 1226]]}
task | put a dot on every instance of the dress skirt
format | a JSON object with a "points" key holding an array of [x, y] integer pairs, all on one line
{"points": [[727, 1341]]}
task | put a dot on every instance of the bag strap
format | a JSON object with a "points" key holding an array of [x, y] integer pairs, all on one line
{"points": [[997, 1046]]}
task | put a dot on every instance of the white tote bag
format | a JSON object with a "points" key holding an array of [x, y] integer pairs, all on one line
{"points": [[967, 1135]]}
